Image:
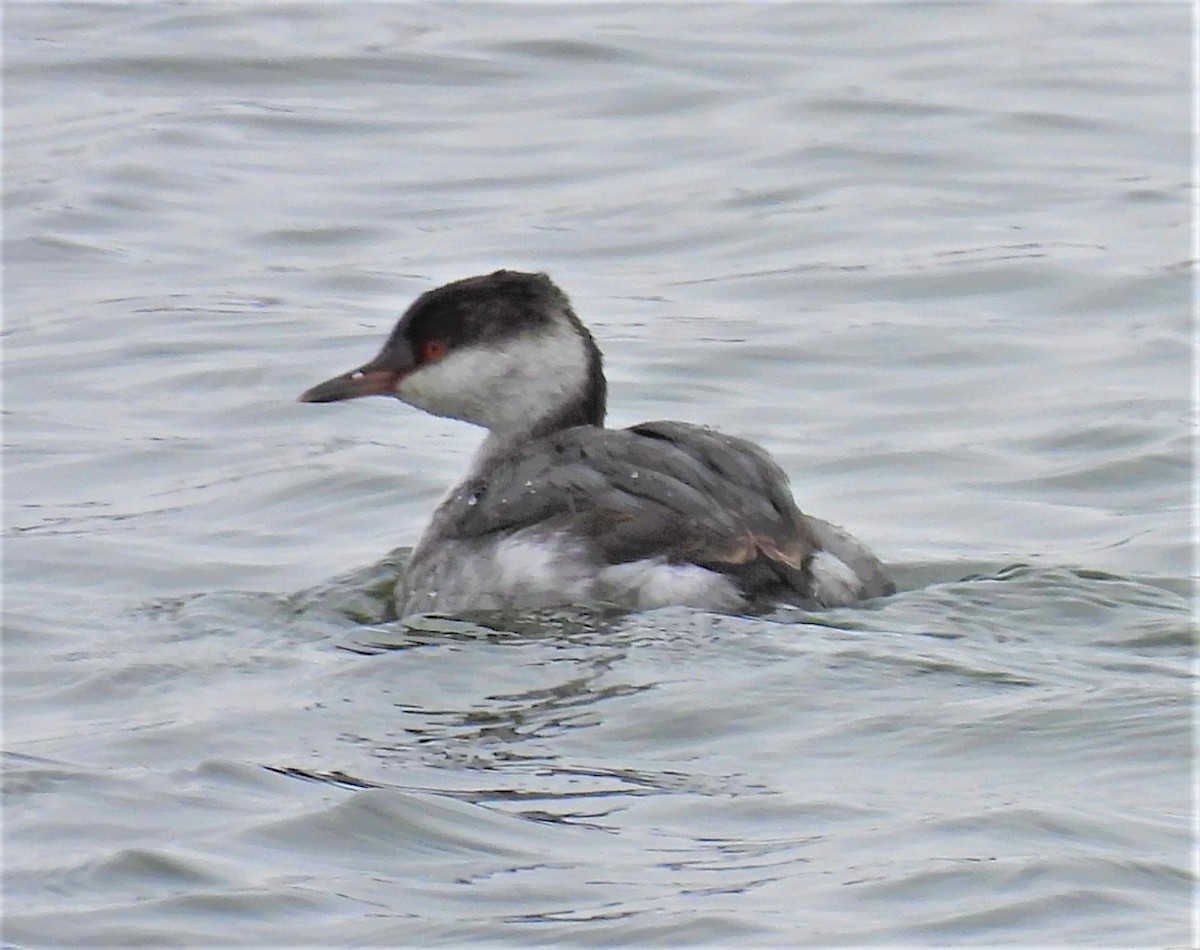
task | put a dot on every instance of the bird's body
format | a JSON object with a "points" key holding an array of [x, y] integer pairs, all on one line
{"points": [[558, 509]]}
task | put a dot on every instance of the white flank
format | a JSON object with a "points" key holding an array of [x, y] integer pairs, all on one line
{"points": [[834, 582], [652, 583]]}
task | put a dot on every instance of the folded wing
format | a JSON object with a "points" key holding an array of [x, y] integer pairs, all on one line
{"points": [[668, 490]]}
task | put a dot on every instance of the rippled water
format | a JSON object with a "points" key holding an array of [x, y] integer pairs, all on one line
{"points": [[936, 258]]}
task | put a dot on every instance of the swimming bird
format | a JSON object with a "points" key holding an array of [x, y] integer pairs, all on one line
{"points": [[556, 509]]}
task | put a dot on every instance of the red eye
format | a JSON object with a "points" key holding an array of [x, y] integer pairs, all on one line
{"points": [[433, 350]]}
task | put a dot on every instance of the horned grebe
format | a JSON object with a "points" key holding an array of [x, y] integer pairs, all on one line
{"points": [[556, 509]]}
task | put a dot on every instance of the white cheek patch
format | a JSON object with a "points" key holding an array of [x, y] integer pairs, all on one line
{"points": [[453, 386], [507, 386]]}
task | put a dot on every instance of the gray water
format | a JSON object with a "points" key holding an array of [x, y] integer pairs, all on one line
{"points": [[936, 258]]}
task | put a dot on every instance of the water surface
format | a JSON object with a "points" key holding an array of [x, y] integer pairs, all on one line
{"points": [[935, 258]]}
